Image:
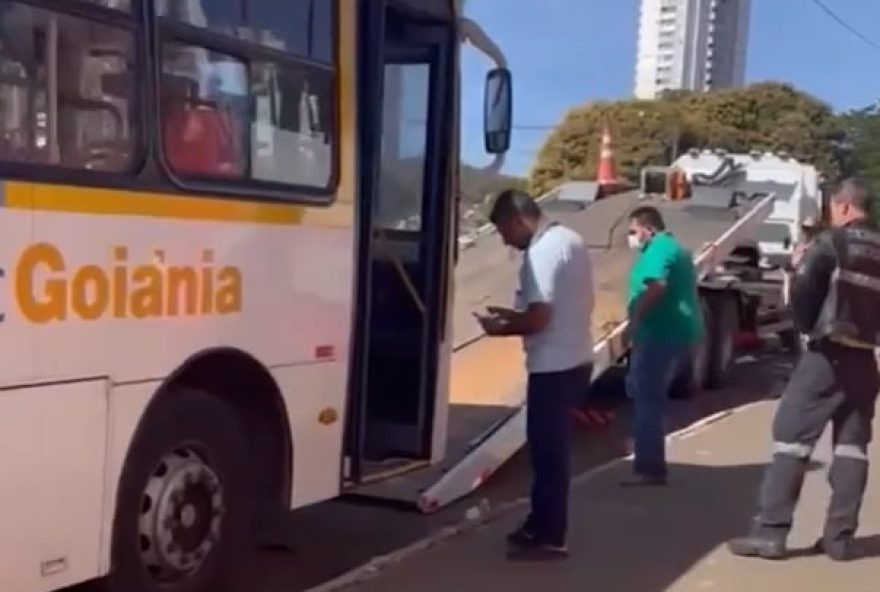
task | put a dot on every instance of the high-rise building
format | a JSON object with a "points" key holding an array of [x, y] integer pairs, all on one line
{"points": [[691, 44]]}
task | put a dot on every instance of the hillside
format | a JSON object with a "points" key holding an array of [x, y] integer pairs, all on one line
{"points": [[477, 189], [401, 204]]}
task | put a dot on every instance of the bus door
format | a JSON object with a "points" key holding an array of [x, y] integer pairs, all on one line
{"points": [[404, 276]]}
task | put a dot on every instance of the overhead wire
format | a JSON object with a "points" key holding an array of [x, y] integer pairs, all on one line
{"points": [[845, 24]]}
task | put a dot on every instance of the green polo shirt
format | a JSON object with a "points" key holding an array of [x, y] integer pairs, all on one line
{"points": [[677, 317]]}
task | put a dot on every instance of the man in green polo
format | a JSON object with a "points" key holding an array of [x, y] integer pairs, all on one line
{"points": [[666, 323]]}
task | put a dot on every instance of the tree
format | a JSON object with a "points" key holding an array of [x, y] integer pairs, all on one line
{"points": [[861, 148], [766, 116], [401, 187], [862, 133], [477, 189]]}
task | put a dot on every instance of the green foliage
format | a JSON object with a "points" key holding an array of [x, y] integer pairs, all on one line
{"points": [[402, 185], [477, 184], [861, 148], [766, 116], [477, 188]]}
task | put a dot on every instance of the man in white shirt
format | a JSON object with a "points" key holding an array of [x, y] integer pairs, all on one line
{"points": [[552, 313]]}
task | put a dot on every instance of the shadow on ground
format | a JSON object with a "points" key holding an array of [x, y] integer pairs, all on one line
{"points": [[622, 540], [866, 547]]}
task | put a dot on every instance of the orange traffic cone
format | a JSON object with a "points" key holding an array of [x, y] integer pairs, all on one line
{"points": [[607, 175]]}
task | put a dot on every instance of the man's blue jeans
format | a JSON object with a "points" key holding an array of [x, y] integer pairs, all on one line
{"points": [[653, 367]]}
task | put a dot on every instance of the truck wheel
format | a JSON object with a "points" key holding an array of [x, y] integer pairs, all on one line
{"points": [[790, 341], [721, 334], [181, 515], [692, 377]]}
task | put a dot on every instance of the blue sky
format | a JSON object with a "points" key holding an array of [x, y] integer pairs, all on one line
{"points": [[568, 52]]}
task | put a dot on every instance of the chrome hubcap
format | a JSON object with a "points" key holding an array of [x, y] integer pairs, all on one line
{"points": [[181, 516]]}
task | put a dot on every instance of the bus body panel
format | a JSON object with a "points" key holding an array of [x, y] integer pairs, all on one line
{"points": [[18, 348], [52, 486], [86, 276], [125, 408], [75, 257], [298, 327], [317, 446], [133, 297]]}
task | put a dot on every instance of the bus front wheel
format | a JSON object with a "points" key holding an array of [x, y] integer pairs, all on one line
{"points": [[181, 515]]}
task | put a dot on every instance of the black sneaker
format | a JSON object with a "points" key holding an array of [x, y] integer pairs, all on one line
{"points": [[538, 552], [521, 537]]}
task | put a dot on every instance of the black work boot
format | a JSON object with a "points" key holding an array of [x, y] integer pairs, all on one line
{"points": [[522, 537], [779, 494], [840, 549], [848, 478], [764, 542]]}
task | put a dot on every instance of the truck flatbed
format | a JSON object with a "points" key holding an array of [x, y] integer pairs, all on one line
{"points": [[487, 273]]}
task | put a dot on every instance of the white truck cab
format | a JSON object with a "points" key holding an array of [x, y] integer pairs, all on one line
{"points": [[795, 184]]}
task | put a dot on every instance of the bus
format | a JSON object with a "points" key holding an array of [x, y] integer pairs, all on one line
{"points": [[227, 237]]}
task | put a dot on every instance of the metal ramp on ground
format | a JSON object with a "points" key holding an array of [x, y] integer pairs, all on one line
{"points": [[471, 462]]}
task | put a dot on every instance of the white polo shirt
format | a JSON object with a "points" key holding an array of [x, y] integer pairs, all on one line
{"points": [[556, 270]]}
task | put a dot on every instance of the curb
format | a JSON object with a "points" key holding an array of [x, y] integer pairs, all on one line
{"points": [[374, 568]]}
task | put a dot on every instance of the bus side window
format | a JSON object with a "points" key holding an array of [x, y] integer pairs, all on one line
{"points": [[276, 98], [15, 134], [59, 104], [202, 123], [94, 97], [291, 138]]}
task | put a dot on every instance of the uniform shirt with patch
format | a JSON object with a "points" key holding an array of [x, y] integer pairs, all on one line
{"points": [[556, 270]]}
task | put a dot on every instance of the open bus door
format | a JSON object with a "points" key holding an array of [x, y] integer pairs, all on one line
{"points": [[408, 138], [406, 143]]}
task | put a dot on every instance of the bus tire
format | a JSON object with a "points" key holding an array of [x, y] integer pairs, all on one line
{"points": [[182, 508], [721, 333]]}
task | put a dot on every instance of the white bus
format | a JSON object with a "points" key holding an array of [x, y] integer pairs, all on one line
{"points": [[227, 230]]}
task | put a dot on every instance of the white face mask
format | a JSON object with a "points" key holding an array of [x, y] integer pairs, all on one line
{"points": [[634, 242]]}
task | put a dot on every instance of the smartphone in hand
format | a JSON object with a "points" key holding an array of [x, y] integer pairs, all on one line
{"points": [[481, 317]]}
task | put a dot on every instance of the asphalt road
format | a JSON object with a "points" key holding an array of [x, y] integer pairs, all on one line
{"points": [[331, 538]]}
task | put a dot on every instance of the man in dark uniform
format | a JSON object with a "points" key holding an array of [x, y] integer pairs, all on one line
{"points": [[835, 294]]}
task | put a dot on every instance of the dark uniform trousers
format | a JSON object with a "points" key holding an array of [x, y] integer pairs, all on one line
{"points": [[831, 383], [551, 396]]}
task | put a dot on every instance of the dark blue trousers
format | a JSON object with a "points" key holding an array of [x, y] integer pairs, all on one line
{"points": [[551, 397], [652, 369]]}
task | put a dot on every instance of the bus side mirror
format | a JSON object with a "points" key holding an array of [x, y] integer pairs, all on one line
{"points": [[498, 110]]}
